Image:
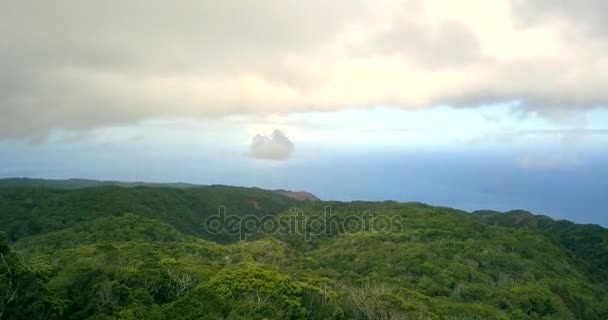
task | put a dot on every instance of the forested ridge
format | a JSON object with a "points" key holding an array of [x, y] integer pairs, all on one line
{"points": [[143, 252]]}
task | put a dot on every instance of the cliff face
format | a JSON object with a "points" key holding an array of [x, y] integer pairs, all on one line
{"points": [[299, 195]]}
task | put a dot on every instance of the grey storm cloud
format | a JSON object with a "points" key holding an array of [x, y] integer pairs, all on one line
{"points": [[276, 147], [589, 15], [75, 65]]}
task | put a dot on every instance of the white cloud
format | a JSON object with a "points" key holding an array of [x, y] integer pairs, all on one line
{"points": [[76, 65], [276, 147], [548, 161]]}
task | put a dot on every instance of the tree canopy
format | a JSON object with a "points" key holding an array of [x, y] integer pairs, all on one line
{"points": [[110, 252]]}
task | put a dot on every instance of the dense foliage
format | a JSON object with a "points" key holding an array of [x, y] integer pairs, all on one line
{"points": [[142, 253], [588, 244]]}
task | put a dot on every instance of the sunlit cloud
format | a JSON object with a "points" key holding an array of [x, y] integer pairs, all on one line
{"points": [[274, 147], [212, 59]]}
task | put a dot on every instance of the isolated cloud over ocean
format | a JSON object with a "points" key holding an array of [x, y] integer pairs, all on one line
{"points": [[77, 65], [276, 147]]}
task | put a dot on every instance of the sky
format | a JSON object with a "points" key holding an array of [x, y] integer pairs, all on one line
{"points": [[475, 104]]}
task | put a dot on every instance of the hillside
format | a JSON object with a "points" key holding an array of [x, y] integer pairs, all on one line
{"points": [[145, 252], [588, 244], [72, 184]]}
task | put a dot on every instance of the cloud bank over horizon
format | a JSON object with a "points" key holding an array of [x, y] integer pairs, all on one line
{"points": [[74, 65]]}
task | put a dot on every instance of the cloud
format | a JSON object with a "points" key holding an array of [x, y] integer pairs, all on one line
{"points": [[75, 65], [276, 147], [565, 136], [548, 161], [588, 15], [566, 154]]}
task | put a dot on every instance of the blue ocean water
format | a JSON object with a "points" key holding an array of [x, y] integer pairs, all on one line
{"points": [[468, 179]]}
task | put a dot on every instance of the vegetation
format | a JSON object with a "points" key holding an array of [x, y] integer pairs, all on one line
{"points": [[142, 252]]}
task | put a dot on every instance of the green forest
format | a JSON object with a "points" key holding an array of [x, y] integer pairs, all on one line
{"points": [[143, 252]]}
